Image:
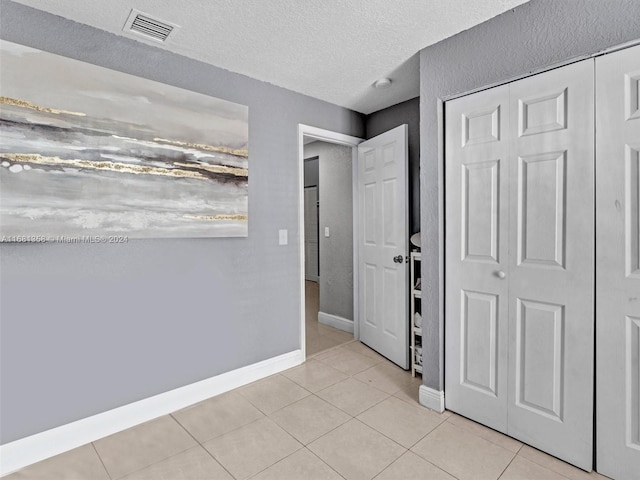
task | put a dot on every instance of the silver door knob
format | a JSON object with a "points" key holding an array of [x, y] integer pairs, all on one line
{"points": [[500, 274], [397, 259]]}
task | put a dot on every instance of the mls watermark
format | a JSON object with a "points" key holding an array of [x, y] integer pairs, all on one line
{"points": [[64, 239]]}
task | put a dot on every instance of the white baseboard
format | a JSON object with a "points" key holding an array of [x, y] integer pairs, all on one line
{"points": [[335, 321], [32, 449], [430, 398]]}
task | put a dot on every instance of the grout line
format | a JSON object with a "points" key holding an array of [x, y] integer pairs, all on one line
{"points": [[202, 446], [277, 462], [314, 454], [101, 461], [483, 438], [508, 465]]}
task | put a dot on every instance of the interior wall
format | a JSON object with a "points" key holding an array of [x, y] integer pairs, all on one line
{"points": [[532, 36], [383, 120], [90, 327], [335, 194], [311, 172]]}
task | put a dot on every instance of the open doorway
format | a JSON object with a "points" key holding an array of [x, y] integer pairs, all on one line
{"points": [[328, 238], [329, 279]]}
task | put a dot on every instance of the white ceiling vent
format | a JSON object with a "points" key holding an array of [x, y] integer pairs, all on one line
{"points": [[145, 25]]}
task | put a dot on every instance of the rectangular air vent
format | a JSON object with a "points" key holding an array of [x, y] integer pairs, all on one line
{"points": [[143, 24]]}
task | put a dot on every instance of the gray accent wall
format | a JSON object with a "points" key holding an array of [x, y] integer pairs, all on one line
{"points": [[86, 328], [311, 172], [384, 120], [531, 37], [335, 194]]}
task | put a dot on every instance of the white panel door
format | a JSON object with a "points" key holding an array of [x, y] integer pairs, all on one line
{"points": [[383, 244], [311, 252], [551, 262], [477, 256], [618, 264], [520, 260]]}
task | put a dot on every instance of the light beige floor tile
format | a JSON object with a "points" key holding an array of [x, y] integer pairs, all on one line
{"points": [[302, 465], [143, 445], [349, 362], [217, 415], [401, 422], [411, 467], [273, 393], [362, 349], [193, 464], [252, 448], [325, 329], [356, 451], [487, 433], [339, 335], [385, 376], [462, 454], [77, 464], [410, 393], [319, 344], [309, 418], [522, 469], [352, 396], [323, 355], [557, 465], [314, 375]]}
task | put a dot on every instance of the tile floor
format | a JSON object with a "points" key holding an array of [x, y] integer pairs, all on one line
{"points": [[319, 337], [347, 413]]}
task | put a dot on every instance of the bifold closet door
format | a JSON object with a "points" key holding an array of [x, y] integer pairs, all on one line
{"points": [[520, 260], [551, 262], [477, 191], [618, 264]]}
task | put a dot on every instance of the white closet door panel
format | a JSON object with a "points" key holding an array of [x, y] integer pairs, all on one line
{"points": [[476, 253], [618, 264], [551, 262]]}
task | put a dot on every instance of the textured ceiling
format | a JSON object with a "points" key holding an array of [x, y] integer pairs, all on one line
{"points": [[328, 49]]}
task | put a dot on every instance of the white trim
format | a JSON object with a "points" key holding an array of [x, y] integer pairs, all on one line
{"points": [[356, 258], [335, 321], [340, 139], [23, 452], [430, 398]]}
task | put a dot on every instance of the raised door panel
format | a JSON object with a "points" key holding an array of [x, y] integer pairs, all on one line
{"points": [[476, 240], [618, 272], [479, 342], [551, 264], [541, 209], [383, 235], [540, 358], [480, 211]]}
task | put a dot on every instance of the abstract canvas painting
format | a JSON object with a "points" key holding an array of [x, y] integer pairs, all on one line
{"points": [[88, 151]]}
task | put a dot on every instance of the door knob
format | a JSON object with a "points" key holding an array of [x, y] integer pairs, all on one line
{"points": [[397, 259], [500, 274]]}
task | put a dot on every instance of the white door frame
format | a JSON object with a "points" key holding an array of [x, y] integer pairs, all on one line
{"points": [[339, 139]]}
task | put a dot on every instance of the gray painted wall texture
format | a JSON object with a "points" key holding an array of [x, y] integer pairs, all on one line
{"points": [[335, 194], [383, 120], [87, 328], [310, 172], [533, 36]]}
